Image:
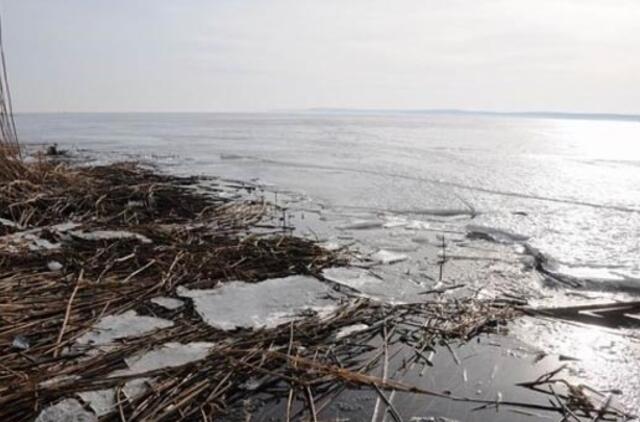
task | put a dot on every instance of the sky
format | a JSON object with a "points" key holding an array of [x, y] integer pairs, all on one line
{"points": [[261, 55]]}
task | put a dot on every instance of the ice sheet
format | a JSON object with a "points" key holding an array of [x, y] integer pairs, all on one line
{"points": [[265, 304]]}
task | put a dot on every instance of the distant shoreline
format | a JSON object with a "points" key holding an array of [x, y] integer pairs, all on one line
{"points": [[365, 112], [528, 114]]}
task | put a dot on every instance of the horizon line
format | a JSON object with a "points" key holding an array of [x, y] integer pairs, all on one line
{"points": [[346, 110]]}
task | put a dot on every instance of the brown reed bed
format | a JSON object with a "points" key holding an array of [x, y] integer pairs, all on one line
{"points": [[80, 244]]}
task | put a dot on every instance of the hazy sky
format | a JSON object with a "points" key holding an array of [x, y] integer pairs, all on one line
{"points": [[231, 55]]}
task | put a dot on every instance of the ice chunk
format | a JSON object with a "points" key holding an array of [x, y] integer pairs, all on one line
{"points": [[265, 304], [350, 329], [54, 266], [387, 257], [168, 355], [361, 225], [128, 324], [68, 410], [102, 402], [167, 302]]}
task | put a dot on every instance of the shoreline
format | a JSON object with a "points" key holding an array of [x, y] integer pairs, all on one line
{"points": [[151, 234]]}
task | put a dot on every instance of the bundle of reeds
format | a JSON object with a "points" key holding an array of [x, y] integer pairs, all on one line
{"points": [[11, 166]]}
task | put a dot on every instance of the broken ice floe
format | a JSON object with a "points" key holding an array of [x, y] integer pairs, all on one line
{"points": [[128, 324], [169, 355], [350, 329], [392, 290], [266, 304], [168, 302], [54, 266], [68, 410], [387, 257], [103, 402]]}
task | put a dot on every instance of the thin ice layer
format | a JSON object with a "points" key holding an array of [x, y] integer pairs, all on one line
{"points": [[265, 304], [128, 324]]}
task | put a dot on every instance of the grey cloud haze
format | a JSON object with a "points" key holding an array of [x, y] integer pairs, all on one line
{"points": [[231, 55]]}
